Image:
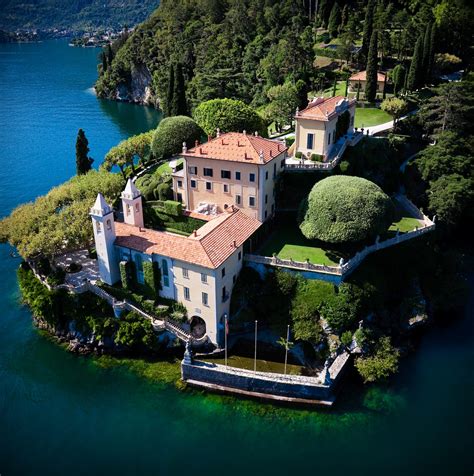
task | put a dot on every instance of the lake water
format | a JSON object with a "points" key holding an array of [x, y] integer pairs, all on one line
{"points": [[62, 414]]}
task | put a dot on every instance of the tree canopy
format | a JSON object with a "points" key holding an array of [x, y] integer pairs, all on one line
{"points": [[83, 161], [345, 209], [171, 133], [228, 115], [60, 219]]}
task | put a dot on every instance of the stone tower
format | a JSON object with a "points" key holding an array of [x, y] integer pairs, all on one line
{"points": [[132, 205], [102, 217]]}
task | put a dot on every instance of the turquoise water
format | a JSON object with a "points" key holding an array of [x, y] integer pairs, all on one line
{"points": [[62, 414]]}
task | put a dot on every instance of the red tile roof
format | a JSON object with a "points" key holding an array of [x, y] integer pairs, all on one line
{"points": [[324, 109], [210, 247], [238, 147], [362, 76]]}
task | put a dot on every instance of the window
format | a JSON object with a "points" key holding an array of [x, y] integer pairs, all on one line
{"points": [[97, 227], [209, 186], [225, 296], [352, 120], [252, 177], [329, 138], [310, 141], [237, 175], [165, 273], [223, 272], [205, 299], [139, 266], [203, 278], [282, 163], [226, 188], [207, 172], [273, 208], [251, 201], [193, 183], [180, 184], [137, 207], [266, 214], [225, 174], [234, 279], [238, 199], [193, 170], [185, 273], [128, 209], [240, 255], [266, 198], [109, 225], [274, 170], [187, 294], [266, 175]]}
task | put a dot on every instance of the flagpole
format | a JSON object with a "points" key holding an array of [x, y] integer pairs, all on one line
{"points": [[255, 355], [286, 346], [225, 334]]}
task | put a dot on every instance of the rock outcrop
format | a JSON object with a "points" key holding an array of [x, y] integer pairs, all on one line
{"points": [[139, 89]]}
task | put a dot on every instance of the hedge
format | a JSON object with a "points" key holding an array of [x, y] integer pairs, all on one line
{"points": [[152, 279], [173, 208]]}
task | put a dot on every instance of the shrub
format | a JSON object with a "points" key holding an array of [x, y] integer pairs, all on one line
{"points": [[136, 332], [290, 141], [229, 115], [346, 338], [171, 133], [316, 157], [163, 191], [298, 155], [345, 209], [344, 167], [127, 274], [152, 279], [173, 208], [381, 364]]}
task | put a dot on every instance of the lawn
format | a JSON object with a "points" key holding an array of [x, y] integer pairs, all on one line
{"points": [[340, 90], [405, 224], [368, 116], [262, 365], [288, 242]]}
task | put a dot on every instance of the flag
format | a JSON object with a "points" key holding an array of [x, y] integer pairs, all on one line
{"points": [[226, 326]]}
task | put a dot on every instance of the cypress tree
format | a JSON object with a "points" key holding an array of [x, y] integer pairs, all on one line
{"points": [[429, 66], [179, 104], [334, 20], [167, 110], [344, 18], [109, 54], [415, 73], [371, 73], [426, 53], [368, 27], [83, 161], [399, 73]]}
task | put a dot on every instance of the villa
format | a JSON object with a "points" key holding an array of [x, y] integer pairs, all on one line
{"points": [[233, 169], [358, 81], [199, 270], [316, 126]]}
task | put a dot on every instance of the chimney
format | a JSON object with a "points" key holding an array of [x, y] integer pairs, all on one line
{"points": [[200, 150], [256, 134], [195, 233], [271, 152], [196, 143], [235, 244], [262, 157], [245, 132], [185, 149], [209, 138], [218, 132]]}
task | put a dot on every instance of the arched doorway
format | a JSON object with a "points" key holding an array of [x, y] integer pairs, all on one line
{"points": [[198, 327]]}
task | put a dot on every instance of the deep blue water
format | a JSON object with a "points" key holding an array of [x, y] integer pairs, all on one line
{"points": [[62, 414]]}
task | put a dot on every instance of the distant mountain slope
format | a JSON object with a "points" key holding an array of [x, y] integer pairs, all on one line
{"points": [[73, 14]]}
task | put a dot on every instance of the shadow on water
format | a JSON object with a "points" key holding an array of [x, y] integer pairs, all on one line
{"points": [[131, 119]]}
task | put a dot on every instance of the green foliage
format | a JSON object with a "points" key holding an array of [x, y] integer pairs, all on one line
{"points": [[173, 208], [398, 78], [334, 20], [136, 333], [228, 115], [345, 209], [171, 133], [60, 217], [175, 104], [126, 274], [83, 161], [368, 28], [395, 107], [346, 338], [152, 279], [372, 68], [342, 124], [415, 74], [447, 63], [381, 364], [284, 100]]}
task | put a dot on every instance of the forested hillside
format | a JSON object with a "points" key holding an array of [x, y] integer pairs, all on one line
{"points": [[242, 48], [73, 14]]}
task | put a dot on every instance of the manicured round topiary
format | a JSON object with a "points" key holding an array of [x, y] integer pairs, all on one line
{"points": [[228, 115], [345, 209], [171, 133]]}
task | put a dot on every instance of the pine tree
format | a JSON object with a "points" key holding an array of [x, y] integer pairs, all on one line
{"points": [[167, 109], [368, 27], [83, 161], [415, 73], [371, 74], [179, 105], [334, 20], [398, 77]]}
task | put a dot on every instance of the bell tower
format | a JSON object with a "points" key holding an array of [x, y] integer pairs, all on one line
{"points": [[132, 205], [102, 217]]}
